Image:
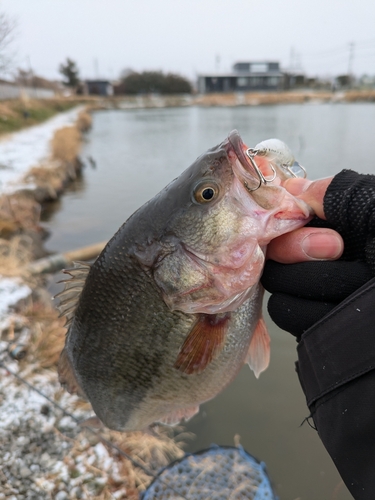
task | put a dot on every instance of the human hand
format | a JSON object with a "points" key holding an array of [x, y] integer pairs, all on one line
{"points": [[306, 291], [307, 243]]}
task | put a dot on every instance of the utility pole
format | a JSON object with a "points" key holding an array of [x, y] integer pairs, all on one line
{"points": [[217, 62], [31, 72], [351, 59], [292, 59]]}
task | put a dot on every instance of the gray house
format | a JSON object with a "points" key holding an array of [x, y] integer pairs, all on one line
{"points": [[246, 76], [98, 87]]}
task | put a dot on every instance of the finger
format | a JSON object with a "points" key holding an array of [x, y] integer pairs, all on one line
{"points": [[306, 244], [312, 192]]}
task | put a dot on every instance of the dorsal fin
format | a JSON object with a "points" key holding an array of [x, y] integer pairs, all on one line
{"points": [[72, 290]]}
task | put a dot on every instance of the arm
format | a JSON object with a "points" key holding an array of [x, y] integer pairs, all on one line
{"points": [[330, 306]]}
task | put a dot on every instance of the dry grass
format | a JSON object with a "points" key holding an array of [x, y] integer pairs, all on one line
{"points": [[260, 98], [51, 178], [48, 334], [19, 113], [128, 477], [66, 144], [14, 255], [360, 96], [7, 112], [18, 212], [84, 121]]}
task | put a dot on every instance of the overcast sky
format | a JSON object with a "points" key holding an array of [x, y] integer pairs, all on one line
{"points": [[193, 36]]}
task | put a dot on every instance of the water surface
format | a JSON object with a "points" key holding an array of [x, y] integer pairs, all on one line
{"points": [[137, 152]]}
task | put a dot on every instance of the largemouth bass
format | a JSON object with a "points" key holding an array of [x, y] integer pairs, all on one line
{"points": [[171, 309]]}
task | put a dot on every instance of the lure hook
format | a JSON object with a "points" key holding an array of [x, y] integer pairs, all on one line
{"points": [[292, 173], [262, 180]]}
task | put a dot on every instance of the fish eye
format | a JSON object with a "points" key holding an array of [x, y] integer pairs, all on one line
{"points": [[204, 193]]}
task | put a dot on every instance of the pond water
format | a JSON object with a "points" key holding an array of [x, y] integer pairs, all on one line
{"points": [[136, 153]]}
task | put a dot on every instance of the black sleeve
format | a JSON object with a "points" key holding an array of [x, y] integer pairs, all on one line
{"points": [[336, 356], [349, 206], [336, 368]]}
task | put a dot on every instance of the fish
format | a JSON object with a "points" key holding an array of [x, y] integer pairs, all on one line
{"points": [[171, 309]]}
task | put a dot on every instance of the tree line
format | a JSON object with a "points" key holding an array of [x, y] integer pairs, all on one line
{"points": [[133, 83]]}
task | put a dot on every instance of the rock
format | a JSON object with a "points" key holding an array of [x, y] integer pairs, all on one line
{"points": [[61, 495], [25, 472]]}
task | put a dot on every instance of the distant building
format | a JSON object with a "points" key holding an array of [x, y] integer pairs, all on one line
{"points": [[246, 76], [16, 90], [98, 87]]}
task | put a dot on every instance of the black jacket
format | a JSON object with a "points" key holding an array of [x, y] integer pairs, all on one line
{"points": [[330, 307], [336, 368]]}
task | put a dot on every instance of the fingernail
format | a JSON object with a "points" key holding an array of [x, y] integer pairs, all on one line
{"points": [[322, 246]]}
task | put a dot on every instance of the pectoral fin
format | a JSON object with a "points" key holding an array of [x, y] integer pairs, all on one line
{"points": [[203, 343], [258, 357]]}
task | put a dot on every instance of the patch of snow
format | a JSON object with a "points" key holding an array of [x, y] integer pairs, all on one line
{"points": [[12, 290], [23, 150]]}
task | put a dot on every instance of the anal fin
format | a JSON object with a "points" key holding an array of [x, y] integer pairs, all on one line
{"points": [[93, 422], [176, 416], [258, 356], [203, 343], [66, 376]]}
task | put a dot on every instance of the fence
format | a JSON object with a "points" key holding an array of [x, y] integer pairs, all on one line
{"points": [[9, 91]]}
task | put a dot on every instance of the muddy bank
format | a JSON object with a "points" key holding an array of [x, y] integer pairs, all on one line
{"points": [[46, 454]]}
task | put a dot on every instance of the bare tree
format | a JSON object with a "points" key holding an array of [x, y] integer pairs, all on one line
{"points": [[7, 26]]}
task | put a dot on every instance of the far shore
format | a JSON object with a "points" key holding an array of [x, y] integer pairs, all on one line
{"points": [[235, 99], [16, 114]]}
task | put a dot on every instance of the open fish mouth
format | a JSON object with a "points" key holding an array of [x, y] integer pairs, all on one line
{"points": [[258, 167], [251, 175], [270, 162]]}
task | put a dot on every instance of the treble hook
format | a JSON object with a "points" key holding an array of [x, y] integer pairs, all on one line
{"points": [[262, 180], [292, 173]]}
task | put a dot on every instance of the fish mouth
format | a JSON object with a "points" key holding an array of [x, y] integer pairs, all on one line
{"points": [[247, 171], [253, 175]]}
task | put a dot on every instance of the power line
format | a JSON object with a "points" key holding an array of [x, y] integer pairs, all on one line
{"points": [[359, 46]]}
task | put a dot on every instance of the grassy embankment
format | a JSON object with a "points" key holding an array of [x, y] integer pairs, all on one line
{"points": [[16, 114]]}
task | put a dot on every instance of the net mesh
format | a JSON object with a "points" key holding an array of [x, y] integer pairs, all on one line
{"points": [[219, 473]]}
